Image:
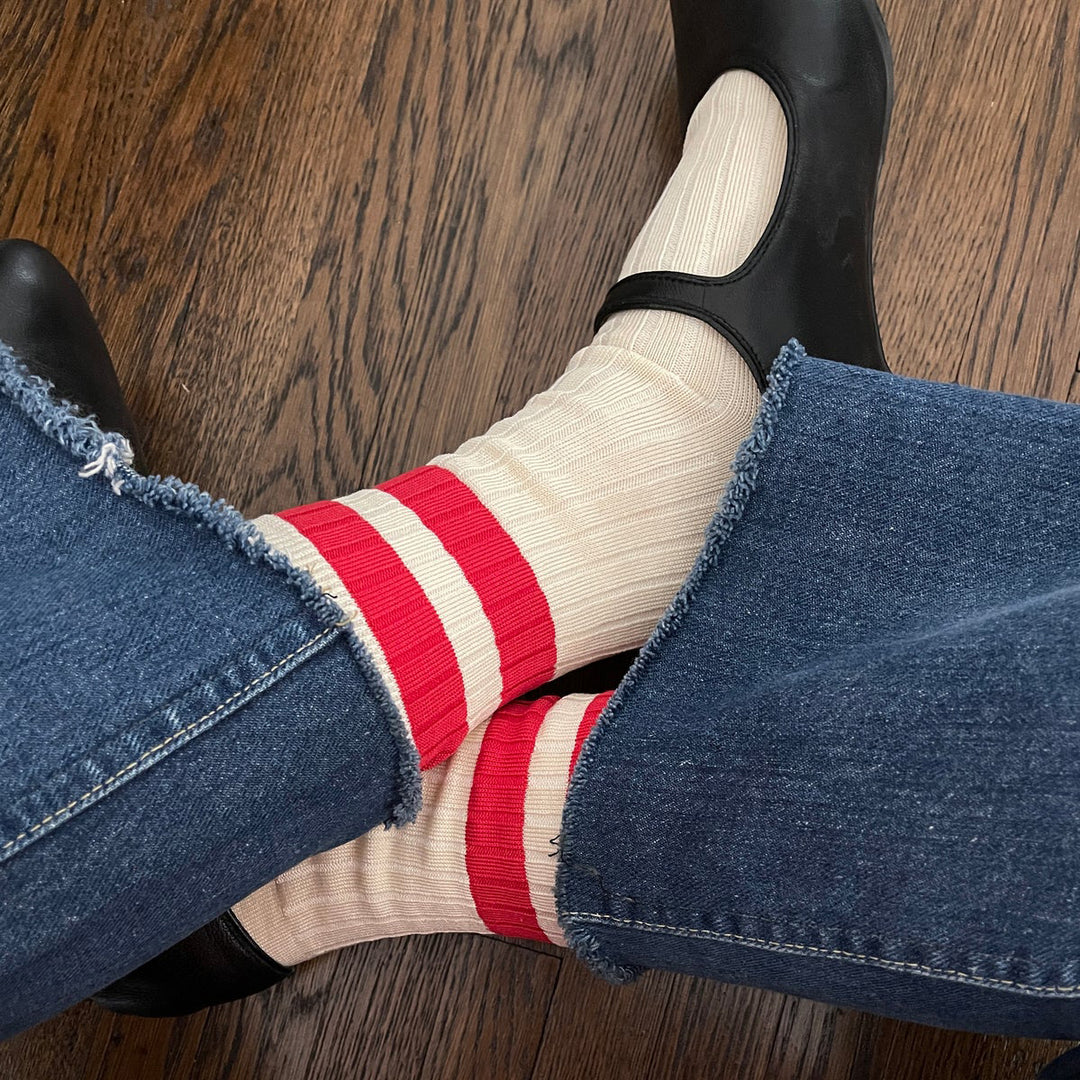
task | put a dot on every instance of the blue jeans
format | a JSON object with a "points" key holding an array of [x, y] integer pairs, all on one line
{"points": [[846, 765], [182, 715]]}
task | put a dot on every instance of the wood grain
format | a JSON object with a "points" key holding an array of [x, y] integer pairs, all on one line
{"points": [[327, 241]]}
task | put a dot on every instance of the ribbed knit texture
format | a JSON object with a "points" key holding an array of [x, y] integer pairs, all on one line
{"points": [[479, 858], [559, 536]]}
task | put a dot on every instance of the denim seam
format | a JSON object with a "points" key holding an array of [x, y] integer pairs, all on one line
{"points": [[165, 742], [103, 456], [949, 974]]}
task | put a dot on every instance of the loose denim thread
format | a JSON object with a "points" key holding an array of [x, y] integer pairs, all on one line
{"points": [[112, 454], [58, 419], [953, 975], [109, 454], [733, 503], [165, 742]]}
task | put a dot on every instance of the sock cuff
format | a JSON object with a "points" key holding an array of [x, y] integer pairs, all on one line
{"points": [[445, 600], [515, 811], [506, 585], [400, 614]]}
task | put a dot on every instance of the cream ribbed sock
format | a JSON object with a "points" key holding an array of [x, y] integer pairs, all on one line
{"points": [[560, 535], [479, 858], [557, 537]]}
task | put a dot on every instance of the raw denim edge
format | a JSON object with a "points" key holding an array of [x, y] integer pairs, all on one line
{"points": [[84, 440], [733, 503]]}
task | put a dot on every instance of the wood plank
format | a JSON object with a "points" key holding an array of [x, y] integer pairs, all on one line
{"points": [[683, 1029], [422, 1007], [979, 223]]}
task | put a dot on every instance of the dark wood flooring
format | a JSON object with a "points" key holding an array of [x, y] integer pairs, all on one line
{"points": [[329, 240]]}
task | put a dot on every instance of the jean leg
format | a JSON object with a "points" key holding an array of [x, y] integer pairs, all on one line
{"points": [[183, 715], [847, 765]]}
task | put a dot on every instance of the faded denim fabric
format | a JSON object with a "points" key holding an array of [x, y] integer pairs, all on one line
{"points": [[847, 765], [183, 715]]}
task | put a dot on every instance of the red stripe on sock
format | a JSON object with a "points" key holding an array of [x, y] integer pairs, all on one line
{"points": [[588, 721], [494, 829], [403, 619], [494, 566]]}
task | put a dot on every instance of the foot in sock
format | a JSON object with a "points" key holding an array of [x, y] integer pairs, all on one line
{"points": [[560, 535], [480, 857]]}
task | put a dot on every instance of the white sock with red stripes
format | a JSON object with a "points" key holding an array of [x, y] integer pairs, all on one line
{"points": [[560, 535], [479, 858]]}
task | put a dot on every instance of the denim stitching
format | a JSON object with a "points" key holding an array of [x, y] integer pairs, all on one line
{"points": [[81, 437], [165, 742], [686, 931]]}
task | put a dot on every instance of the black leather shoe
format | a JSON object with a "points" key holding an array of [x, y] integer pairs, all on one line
{"points": [[46, 321], [216, 964], [810, 276]]}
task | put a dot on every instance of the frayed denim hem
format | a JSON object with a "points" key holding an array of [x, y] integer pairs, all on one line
{"points": [[106, 457], [733, 503]]}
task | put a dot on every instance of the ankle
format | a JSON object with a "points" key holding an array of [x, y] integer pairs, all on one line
{"points": [[695, 354]]}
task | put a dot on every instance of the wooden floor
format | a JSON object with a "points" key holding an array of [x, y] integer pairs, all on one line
{"points": [[329, 240]]}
